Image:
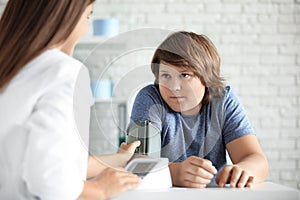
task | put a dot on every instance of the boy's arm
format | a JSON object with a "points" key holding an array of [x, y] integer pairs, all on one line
{"points": [[248, 162]]}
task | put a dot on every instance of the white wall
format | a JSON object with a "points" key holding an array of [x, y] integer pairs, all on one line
{"points": [[259, 44]]}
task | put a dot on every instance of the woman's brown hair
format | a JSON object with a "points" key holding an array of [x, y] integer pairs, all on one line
{"points": [[195, 52], [28, 28]]}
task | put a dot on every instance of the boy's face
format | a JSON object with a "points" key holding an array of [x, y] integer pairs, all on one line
{"points": [[180, 88]]}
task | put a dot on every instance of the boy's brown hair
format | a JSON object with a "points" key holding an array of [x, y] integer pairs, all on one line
{"points": [[194, 52]]}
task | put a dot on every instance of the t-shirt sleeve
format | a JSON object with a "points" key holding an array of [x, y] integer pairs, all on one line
{"points": [[148, 105], [236, 122]]}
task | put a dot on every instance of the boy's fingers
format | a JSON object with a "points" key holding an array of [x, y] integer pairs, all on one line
{"points": [[250, 181], [205, 164]]}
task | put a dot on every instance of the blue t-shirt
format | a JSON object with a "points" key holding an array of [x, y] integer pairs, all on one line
{"points": [[204, 135]]}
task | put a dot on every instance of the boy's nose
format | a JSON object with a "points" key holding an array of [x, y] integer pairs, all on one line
{"points": [[176, 85]]}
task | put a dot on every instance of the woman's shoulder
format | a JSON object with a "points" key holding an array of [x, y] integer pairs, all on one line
{"points": [[52, 57], [62, 62], [50, 70], [55, 64]]}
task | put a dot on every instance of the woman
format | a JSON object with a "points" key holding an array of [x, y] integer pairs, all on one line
{"points": [[43, 93], [199, 118]]}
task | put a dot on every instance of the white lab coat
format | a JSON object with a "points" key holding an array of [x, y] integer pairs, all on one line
{"points": [[44, 127]]}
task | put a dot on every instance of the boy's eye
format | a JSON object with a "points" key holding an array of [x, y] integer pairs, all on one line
{"points": [[165, 76], [184, 75]]}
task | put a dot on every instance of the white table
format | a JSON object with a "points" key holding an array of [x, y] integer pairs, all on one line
{"points": [[262, 191]]}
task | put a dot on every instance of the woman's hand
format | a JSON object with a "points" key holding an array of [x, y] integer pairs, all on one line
{"points": [[125, 153], [109, 183], [129, 148], [194, 172], [235, 176], [113, 182], [98, 163]]}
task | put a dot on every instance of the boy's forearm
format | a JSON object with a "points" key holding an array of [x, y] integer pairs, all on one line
{"points": [[256, 165]]}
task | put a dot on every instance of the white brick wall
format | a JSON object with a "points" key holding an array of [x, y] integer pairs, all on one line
{"points": [[259, 44]]}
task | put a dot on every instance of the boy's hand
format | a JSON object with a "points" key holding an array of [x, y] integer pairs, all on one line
{"points": [[194, 172], [235, 176]]}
